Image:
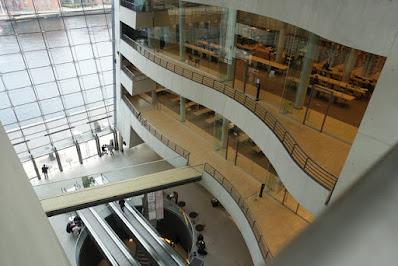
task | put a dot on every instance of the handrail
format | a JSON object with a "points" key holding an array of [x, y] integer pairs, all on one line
{"points": [[299, 156], [227, 185], [172, 145], [240, 201], [132, 6], [131, 75]]}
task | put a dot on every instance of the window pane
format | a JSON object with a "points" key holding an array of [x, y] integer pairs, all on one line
{"points": [[86, 67], [61, 55], [8, 45], [7, 117], [51, 105], [33, 41], [90, 81], [65, 71], [82, 52], [11, 62], [21, 96], [79, 36], [37, 59], [4, 101], [42, 75], [73, 100], [69, 85], [17, 79], [93, 95], [47, 90], [27, 111]]}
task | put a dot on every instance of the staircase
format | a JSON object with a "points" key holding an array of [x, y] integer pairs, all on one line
{"points": [[142, 257]]}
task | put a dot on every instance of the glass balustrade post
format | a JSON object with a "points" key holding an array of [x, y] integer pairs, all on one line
{"points": [[305, 75]]}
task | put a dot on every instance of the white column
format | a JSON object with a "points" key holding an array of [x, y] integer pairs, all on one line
{"points": [[227, 40], [281, 43], [181, 24], [349, 64], [306, 69]]}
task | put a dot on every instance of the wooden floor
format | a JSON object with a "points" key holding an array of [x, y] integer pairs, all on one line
{"points": [[92, 196]]}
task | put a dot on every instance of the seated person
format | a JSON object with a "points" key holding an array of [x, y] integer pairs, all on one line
{"points": [[326, 66]]}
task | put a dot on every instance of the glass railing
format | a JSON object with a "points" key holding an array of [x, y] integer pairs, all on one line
{"points": [[319, 174], [133, 5], [172, 145], [240, 201], [57, 187]]}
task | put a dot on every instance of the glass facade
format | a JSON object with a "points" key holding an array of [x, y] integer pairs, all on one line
{"points": [[300, 75], [56, 77]]}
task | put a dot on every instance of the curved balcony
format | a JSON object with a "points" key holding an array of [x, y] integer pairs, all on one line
{"points": [[222, 189], [296, 181]]}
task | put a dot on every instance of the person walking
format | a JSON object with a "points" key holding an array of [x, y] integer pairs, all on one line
{"points": [[258, 87], [122, 204], [44, 170], [111, 147], [261, 190]]}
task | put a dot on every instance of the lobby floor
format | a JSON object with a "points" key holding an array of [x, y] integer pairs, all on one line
{"points": [[278, 224]]}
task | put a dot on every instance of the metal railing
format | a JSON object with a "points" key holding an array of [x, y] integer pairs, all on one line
{"points": [[133, 6], [132, 75], [308, 165], [172, 145], [240, 201], [227, 185]]}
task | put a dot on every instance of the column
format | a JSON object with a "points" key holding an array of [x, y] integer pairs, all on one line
{"points": [[58, 160], [154, 96], [368, 65], [182, 109], [79, 152], [98, 145], [121, 141], [115, 139], [228, 27], [181, 24], [349, 64], [280, 47], [224, 132], [305, 75], [35, 167]]}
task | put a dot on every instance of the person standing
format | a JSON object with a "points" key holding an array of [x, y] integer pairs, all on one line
{"points": [[258, 87], [261, 190], [44, 170]]}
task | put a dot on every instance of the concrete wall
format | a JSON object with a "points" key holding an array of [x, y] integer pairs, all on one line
{"points": [[309, 193], [218, 191], [27, 237]]}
